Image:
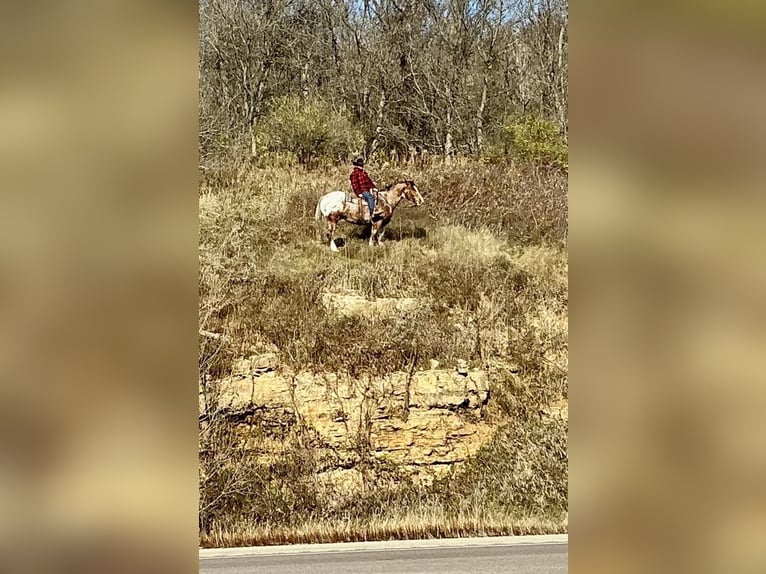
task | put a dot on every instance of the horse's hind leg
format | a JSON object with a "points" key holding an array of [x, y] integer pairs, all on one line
{"points": [[374, 229], [332, 223]]}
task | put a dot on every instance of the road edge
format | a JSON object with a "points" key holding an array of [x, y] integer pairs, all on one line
{"points": [[206, 553]]}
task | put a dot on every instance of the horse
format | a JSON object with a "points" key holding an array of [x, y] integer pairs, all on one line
{"points": [[334, 207]]}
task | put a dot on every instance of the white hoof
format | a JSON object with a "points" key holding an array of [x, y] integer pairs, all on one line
{"points": [[333, 247]]}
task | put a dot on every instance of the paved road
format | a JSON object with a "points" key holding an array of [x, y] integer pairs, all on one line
{"points": [[506, 555]]}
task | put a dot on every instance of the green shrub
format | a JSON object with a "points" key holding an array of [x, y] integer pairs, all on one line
{"points": [[535, 139], [309, 128]]}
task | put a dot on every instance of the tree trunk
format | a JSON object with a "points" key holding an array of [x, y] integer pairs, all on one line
{"points": [[448, 129], [480, 117], [522, 73], [378, 122], [305, 80], [560, 88], [253, 112]]}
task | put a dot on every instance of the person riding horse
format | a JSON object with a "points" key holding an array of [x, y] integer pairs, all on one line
{"points": [[335, 207], [362, 184]]}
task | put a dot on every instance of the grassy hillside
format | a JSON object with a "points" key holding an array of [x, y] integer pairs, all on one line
{"points": [[485, 262]]}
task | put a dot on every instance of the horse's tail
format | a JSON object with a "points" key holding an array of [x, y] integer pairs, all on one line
{"points": [[318, 212]]}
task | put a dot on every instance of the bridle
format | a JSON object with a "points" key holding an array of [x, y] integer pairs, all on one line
{"points": [[398, 201]]}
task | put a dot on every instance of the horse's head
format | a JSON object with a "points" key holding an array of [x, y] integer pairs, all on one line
{"points": [[412, 193]]}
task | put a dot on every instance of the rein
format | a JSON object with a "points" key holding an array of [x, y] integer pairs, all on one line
{"points": [[385, 199]]}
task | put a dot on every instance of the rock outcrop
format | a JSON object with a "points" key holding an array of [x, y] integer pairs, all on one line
{"points": [[423, 423], [352, 303]]}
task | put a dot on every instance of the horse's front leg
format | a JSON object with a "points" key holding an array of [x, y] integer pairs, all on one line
{"points": [[382, 231]]}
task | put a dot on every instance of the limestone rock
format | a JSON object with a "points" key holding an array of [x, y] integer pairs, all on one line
{"points": [[256, 364], [336, 414], [352, 303]]}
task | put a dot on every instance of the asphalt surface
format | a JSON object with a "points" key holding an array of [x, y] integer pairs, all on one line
{"points": [[507, 555]]}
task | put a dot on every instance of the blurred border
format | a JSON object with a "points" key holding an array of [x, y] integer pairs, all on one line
{"points": [[667, 334], [98, 259]]}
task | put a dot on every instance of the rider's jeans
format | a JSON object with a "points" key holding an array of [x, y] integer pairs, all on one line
{"points": [[370, 201]]}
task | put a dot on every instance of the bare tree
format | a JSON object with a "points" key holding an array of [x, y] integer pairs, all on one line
{"points": [[427, 75]]}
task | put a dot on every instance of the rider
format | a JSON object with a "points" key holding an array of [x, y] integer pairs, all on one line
{"points": [[362, 184]]}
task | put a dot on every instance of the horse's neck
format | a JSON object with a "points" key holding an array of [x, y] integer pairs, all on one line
{"points": [[394, 195]]}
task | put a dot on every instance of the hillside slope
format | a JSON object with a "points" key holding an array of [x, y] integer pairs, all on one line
{"points": [[418, 389]]}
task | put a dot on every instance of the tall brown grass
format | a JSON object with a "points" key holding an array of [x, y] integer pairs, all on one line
{"points": [[485, 259]]}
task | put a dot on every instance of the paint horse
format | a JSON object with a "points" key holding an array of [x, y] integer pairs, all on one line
{"points": [[335, 207]]}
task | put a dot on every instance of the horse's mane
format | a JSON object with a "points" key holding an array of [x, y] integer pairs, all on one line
{"points": [[407, 181]]}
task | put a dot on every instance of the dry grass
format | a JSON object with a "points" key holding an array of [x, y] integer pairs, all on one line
{"points": [[484, 267], [415, 525]]}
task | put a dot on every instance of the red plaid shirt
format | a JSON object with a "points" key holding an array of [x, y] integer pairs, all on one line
{"points": [[360, 181]]}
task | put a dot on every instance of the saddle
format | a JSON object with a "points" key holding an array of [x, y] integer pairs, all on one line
{"points": [[360, 203]]}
